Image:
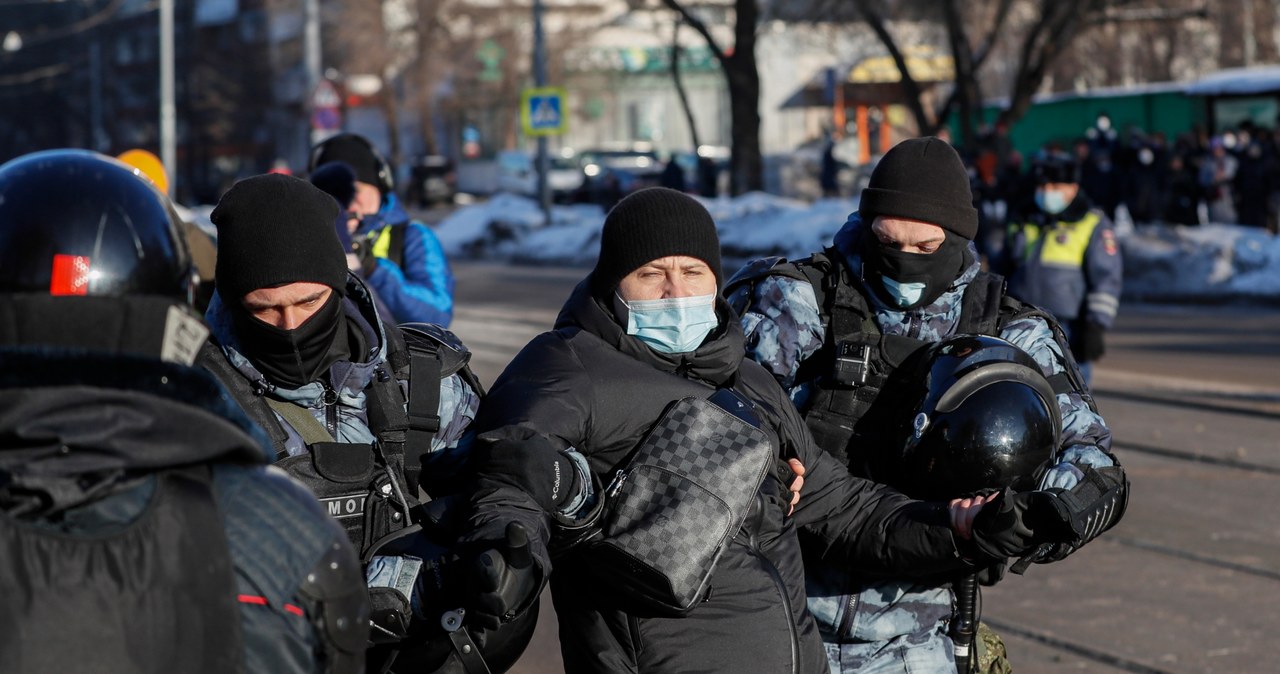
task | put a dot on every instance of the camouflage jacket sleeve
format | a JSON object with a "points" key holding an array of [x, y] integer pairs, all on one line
{"points": [[782, 325], [1085, 436]]}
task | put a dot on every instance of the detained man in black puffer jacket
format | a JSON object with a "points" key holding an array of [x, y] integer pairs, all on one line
{"points": [[644, 329]]}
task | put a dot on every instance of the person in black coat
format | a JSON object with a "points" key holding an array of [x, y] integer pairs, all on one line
{"points": [[644, 329]]}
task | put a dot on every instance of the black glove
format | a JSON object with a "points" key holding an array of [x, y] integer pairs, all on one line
{"points": [[992, 573], [503, 582], [1015, 523], [533, 465], [1090, 346], [363, 250]]}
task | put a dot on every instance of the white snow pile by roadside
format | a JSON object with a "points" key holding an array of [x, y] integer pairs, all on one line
{"points": [[1209, 263]]}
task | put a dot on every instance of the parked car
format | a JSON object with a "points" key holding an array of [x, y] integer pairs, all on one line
{"points": [[517, 174], [614, 171], [709, 163], [432, 179]]}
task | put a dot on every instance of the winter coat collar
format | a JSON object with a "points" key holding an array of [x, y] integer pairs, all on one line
{"points": [[349, 379], [715, 362]]}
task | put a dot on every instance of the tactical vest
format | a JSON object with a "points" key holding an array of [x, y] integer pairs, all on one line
{"points": [[369, 489], [168, 573], [851, 403]]}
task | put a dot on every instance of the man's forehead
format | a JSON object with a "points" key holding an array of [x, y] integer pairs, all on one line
{"points": [[289, 293], [675, 262], [907, 227]]}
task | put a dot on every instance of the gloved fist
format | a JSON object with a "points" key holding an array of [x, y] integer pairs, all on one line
{"points": [[503, 582], [1090, 346], [1013, 524]]}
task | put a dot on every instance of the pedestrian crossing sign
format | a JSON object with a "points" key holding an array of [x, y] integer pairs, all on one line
{"points": [[542, 111]]}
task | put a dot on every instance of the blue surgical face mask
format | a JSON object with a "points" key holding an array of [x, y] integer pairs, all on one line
{"points": [[905, 294], [1051, 201], [674, 324]]}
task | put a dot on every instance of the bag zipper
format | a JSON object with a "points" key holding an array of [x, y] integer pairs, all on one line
{"points": [[615, 485]]}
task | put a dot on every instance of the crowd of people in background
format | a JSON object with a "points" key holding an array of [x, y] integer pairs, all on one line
{"points": [[1231, 177]]}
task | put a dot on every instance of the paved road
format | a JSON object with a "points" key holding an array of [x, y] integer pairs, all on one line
{"points": [[1188, 582]]}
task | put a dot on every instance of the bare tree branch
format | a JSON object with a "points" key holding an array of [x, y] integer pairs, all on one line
{"points": [[911, 89], [997, 27], [697, 24]]}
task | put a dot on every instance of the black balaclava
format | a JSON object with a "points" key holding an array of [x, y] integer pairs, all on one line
{"points": [[274, 230], [297, 357], [937, 270], [919, 179]]}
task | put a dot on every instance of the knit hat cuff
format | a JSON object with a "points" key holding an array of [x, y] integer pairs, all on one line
{"points": [[960, 219]]}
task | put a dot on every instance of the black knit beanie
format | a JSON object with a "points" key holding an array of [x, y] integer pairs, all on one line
{"points": [[338, 180], [652, 223], [276, 229], [922, 179], [356, 152]]}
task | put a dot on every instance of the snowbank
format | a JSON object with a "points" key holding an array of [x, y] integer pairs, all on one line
{"points": [[1212, 263]]}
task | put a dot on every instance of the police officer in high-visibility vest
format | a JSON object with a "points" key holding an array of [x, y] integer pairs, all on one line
{"points": [[1062, 255]]}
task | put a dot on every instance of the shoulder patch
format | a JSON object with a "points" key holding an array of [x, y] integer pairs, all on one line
{"points": [[1109, 242]]}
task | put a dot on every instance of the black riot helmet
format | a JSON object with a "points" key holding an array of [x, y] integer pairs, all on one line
{"points": [[74, 222], [979, 415]]}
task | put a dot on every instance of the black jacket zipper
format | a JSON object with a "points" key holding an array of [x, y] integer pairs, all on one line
{"points": [[330, 401]]}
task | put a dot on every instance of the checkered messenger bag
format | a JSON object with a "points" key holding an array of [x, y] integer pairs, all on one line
{"points": [[679, 499]]}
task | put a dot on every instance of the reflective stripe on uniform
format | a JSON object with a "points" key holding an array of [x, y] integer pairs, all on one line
{"points": [[1103, 303]]}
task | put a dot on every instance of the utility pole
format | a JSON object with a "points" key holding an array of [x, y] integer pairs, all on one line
{"points": [[168, 110], [311, 61], [540, 80]]}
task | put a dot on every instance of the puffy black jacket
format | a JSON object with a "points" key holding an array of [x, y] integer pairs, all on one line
{"points": [[591, 386]]}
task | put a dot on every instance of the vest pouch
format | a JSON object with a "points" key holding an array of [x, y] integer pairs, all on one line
{"points": [[342, 476], [670, 512], [385, 511]]}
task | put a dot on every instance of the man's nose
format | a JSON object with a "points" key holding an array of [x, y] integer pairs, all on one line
{"points": [[291, 318], [677, 286]]}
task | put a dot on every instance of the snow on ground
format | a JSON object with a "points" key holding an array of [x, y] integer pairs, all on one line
{"points": [[1211, 263]]}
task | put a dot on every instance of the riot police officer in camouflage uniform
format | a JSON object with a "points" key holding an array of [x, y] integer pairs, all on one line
{"points": [[833, 328], [369, 415], [141, 530]]}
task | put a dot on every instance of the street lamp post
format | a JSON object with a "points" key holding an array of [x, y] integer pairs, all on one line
{"points": [[540, 80]]}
